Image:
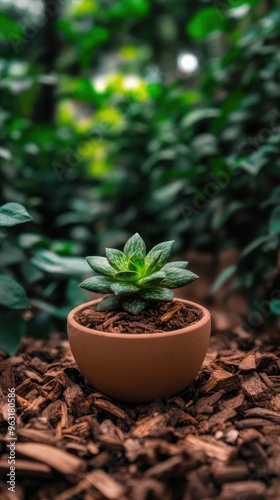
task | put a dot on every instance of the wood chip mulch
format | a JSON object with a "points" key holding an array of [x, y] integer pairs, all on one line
{"points": [[219, 439], [157, 317]]}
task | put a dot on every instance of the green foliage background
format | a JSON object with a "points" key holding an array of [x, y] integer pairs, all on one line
{"points": [[101, 136]]}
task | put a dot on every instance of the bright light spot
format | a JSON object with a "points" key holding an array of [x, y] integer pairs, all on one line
{"points": [[240, 11], [187, 63], [18, 68], [131, 82], [100, 83], [32, 148], [33, 8], [37, 8], [50, 79], [21, 4]]}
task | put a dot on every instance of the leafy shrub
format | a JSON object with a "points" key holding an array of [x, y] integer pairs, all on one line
{"points": [[13, 298]]}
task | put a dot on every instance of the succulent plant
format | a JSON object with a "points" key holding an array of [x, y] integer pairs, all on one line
{"points": [[134, 278]]}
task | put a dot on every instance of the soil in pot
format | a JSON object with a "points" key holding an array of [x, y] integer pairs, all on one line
{"points": [[158, 317]]}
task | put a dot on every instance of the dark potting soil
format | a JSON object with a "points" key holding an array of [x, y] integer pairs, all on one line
{"points": [[156, 318]]}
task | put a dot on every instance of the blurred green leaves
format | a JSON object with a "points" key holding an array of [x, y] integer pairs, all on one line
{"points": [[132, 144], [13, 328], [9, 29], [274, 222], [54, 264], [12, 214], [205, 22], [12, 295]]}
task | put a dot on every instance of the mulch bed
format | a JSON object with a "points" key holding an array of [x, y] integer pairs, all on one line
{"points": [[157, 317], [219, 439]]}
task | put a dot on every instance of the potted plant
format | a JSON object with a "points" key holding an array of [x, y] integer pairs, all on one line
{"points": [[138, 343]]}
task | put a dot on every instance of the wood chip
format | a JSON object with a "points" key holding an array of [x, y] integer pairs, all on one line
{"points": [[110, 488], [263, 413], [60, 460], [211, 447], [206, 403], [254, 387], [16, 360], [46, 437], [248, 362], [275, 402], [110, 408], [253, 490], [23, 467], [163, 467], [222, 380], [228, 473], [72, 393], [146, 425]]}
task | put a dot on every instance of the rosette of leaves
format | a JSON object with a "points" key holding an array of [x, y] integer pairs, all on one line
{"points": [[134, 278]]}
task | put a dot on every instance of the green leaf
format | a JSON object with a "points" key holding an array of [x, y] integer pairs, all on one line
{"points": [[204, 22], [12, 214], [135, 244], [94, 38], [223, 277], [12, 328], [275, 307], [101, 265], [274, 197], [9, 29], [198, 115], [158, 293], [55, 311], [152, 262], [134, 305], [133, 267], [153, 279], [252, 246], [181, 264], [124, 289], [137, 259], [12, 295], [224, 213], [116, 258], [127, 275], [109, 303], [129, 9], [168, 154], [274, 222], [254, 163], [98, 284], [165, 248], [176, 277], [54, 264]]}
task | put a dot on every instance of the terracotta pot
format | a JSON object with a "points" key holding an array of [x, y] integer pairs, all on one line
{"points": [[139, 368]]}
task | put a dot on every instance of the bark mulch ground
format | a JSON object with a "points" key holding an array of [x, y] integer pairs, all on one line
{"points": [[219, 439]]}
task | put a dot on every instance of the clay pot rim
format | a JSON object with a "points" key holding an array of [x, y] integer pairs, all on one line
{"points": [[189, 328]]}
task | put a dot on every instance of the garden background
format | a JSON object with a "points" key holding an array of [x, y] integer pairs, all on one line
{"points": [[121, 116]]}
